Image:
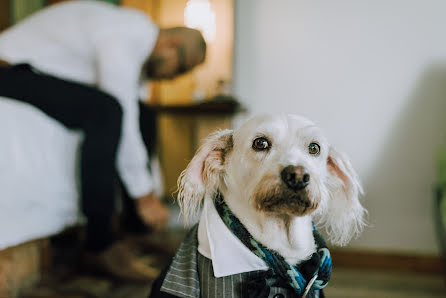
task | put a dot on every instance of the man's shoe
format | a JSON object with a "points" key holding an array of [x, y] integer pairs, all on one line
{"points": [[119, 261]]}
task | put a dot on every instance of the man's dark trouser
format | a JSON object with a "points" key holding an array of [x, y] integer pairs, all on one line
{"points": [[99, 116]]}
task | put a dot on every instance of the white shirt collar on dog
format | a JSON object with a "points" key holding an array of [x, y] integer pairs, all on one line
{"points": [[228, 254]]}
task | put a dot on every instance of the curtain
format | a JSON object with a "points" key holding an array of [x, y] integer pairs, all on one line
{"points": [[23, 8]]}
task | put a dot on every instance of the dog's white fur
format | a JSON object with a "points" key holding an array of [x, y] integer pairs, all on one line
{"points": [[228, 162]]}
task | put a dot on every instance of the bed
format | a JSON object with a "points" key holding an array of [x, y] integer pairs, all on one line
{"points": [[38, 184]]}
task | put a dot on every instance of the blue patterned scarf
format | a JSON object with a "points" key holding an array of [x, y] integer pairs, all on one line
{"points": [[306, 279]]}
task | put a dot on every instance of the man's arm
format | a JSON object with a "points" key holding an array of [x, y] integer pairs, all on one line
{"points": [[118, 74], [121, 47], [121, 79]]}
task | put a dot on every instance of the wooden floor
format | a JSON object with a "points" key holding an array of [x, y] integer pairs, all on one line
{"points": [[357, 283], [65, 280], [344, 283]]}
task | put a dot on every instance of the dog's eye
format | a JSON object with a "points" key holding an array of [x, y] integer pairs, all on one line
{"points": [[261, 144], [314, 149]]}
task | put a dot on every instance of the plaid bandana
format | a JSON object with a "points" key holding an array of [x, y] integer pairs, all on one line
{"points": [[306, 279]]}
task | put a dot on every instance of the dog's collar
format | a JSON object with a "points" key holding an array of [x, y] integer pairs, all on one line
{"points": [[304, 279]]}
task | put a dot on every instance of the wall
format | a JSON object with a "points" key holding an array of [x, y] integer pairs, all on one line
{"points": [[372, 74]]}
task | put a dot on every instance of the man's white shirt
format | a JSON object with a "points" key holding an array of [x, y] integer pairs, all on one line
{"points": [[97, 44]]}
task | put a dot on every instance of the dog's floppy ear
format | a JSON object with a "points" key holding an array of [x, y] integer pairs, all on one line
{"points": [[344, 215], [204, 173]]}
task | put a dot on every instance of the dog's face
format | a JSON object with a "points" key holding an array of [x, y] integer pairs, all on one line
{"points": [[282, 163], [280, 166]]}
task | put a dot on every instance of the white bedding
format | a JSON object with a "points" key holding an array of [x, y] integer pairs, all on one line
{"points": [[38, 185], [39, 189]]}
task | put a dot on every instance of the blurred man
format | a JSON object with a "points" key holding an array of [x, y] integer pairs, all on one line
{"points": [[82, 63]]}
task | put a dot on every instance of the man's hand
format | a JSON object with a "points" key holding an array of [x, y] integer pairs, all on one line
{"points": [[152, 211]]}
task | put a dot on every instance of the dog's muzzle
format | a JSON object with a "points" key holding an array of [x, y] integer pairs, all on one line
{"points": [[295, 177], [290, 194]]}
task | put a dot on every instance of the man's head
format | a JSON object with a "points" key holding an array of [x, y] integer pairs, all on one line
{"points": [[177, 50]]}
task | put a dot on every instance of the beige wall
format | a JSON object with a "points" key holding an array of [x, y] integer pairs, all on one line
{"points": [[372, 74], [218, 63]]}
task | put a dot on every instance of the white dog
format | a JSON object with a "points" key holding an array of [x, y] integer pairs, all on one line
{"points": [[278, 176]]}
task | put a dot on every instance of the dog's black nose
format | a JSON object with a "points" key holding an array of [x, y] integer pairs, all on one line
{"points": [[295, 177]]}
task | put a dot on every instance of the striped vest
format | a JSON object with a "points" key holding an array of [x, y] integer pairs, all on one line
{"points": [[191, 275]]}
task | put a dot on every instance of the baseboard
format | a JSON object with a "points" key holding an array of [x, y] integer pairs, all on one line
{"points": [[388, 261]]}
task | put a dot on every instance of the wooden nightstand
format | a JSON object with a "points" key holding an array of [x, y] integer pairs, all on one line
{"points": [[181, 127]]}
